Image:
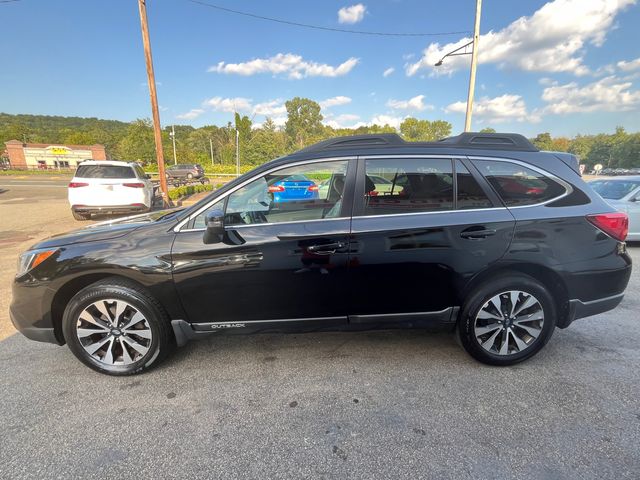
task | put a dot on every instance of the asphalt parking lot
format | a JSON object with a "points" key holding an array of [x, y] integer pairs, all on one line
{"points": [[401, 404]]}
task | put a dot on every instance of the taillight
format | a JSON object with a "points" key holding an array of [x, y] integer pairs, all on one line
{"points": [[615, 224], [276, 188], [133, 185], [313, 188], [78, 184]]}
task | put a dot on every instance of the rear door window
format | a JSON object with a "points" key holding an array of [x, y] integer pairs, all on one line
{"points": [[105, 171], [408, 185], [518, 185]]}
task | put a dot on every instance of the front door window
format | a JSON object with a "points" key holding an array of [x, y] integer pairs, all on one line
{"points": [[306, 192]]}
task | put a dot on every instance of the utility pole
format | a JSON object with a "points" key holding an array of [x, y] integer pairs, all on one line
{"points": [[173, 138], [237, 152], [142, 7], [211, 149], [474, 61]]}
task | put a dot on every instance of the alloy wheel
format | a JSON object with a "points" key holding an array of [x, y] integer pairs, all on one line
{"points": [[509, 323], [114, 332]]}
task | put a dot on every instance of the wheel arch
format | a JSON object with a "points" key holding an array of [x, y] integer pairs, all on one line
{"points": [[68, 290], [543, 274]]}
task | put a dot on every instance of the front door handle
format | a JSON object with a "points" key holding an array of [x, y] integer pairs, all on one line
{"points": [[475, 233], [325, 248]]}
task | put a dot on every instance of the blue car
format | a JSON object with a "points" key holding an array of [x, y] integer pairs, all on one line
{"points": [[293, 188]]}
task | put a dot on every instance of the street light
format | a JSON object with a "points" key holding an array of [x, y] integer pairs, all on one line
{"points": [[453, 53], [474, 63]]}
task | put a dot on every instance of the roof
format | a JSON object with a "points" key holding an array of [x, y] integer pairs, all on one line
{"points": [[45, 145], [626, 178], [467, 140], [117, 163]]}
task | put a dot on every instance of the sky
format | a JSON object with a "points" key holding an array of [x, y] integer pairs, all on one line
{"points": [[562, 66]]}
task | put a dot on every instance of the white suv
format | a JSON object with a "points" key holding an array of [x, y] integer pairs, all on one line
{"points": [[109, 187]]}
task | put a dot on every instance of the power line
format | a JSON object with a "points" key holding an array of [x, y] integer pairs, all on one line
{"points": [[328, 29]]}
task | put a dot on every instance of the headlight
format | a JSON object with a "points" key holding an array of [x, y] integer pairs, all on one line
{"points": [[31, 259]]}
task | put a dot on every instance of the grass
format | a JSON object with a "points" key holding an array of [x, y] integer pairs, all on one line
{"points": [[65, 172]]}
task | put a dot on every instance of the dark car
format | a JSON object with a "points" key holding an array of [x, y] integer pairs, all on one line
{"points": [[482, 232], [184, 171]]}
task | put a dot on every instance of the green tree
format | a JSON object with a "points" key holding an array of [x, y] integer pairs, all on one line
{"points": [[414, 130], [304, 122], [488, 130], [138, 144], [79, 138], [543, 141]]}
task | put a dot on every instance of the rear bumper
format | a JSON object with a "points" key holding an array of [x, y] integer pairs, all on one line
{"points": [[110, 208], [579, 309]]}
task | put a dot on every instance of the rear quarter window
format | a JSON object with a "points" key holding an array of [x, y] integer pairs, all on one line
{"points": [[105, 171], [518, 185]]}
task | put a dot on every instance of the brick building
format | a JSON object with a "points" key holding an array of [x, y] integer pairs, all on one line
{"points": [[43, 155]]}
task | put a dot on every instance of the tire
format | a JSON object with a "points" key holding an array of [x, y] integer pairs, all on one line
{"points": [[80, 216], [190, 175], [526, 334], [123, 351]]}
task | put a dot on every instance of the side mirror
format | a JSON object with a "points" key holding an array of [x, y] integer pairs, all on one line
{"points": [[214, 220]]}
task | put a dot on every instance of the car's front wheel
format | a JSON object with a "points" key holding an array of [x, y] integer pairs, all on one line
{"points": [[507, 320], [116, 327]]}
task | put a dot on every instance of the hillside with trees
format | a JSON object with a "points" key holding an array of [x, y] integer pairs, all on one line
{"points": [[134, 140]]}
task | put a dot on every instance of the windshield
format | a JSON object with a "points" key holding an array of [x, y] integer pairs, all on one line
{"points": [[614, 189], [105, 171]]}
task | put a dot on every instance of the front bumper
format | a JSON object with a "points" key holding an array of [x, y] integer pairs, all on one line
{"points": [[28, 329], [30, 310]]}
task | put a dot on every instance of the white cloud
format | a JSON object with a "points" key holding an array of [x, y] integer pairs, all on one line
{"points": [[191, 114], [608, 94], [352, 14], [346, 120], [388, 72], [415, 104], [294, 66], [629, 66], [546, 81], [550, 40], [390, 120], [334, 101], [230, 105], [272, 107], [505, 108]]}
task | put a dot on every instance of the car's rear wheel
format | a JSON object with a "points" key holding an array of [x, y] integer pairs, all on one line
{"points": [[81, 216], [115, 327], [507, 320]]}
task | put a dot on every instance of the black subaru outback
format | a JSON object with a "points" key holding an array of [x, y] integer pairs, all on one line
{"points": [[482, 232]]}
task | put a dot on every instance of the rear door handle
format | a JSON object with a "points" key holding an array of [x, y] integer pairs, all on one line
{"points": [[474, 233], [325, 248]]}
